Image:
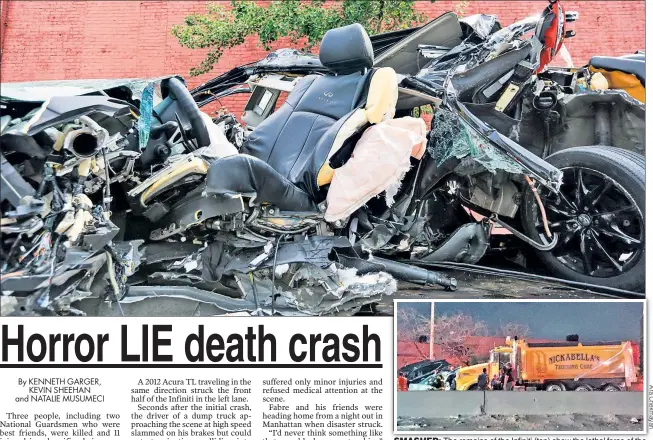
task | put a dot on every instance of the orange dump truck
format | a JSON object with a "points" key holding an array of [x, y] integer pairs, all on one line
{"points": [[559, 366]]}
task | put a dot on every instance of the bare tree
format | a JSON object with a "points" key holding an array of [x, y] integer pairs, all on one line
{"points": [[454, 334], [411, 325], [513, 329]]}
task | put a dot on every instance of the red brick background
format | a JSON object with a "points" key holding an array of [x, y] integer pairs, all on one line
{"points": [[42, 40]]}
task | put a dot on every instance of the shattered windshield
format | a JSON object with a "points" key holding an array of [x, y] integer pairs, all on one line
{"points": [[453, 137], [40, 91]]}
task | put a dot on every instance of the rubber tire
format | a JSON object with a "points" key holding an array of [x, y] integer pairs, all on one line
{"points": [[628, 169], [583, 388], [611, 388], [473, 387], [553, 385]]}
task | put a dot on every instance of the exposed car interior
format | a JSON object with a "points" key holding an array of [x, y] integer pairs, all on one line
{"points": [[285, 160]]}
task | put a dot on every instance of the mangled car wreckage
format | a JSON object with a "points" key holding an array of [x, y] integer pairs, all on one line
{"points": [[126, 190]]}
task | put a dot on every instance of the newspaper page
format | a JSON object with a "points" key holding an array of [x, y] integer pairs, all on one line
{"points": [[307, 219], [250, 377]]}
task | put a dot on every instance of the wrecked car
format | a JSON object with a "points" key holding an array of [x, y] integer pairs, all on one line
{"points": [[501, 83], [436, 381], [128, 191], [419, 370], [432, 382]]}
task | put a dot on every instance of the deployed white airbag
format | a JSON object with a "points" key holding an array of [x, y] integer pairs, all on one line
{"points": [[379, 161]]}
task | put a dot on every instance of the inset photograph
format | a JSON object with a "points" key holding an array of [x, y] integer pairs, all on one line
{"points": [[538, 366]]}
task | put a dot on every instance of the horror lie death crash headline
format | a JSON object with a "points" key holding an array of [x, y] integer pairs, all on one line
{"points": [[255, 347]]}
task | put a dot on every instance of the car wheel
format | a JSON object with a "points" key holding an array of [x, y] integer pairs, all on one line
{"points": [[598, 216], [611, 388], [583, 388], [473, 387], [555, 387]]}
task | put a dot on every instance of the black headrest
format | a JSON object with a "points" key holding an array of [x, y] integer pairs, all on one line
{"points": [[346, 49]]}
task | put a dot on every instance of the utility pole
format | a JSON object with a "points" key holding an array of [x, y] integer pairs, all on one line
{"points": [[432, 337]]}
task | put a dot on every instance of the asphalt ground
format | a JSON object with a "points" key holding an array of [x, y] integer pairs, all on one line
{"points": [[470, 286]]}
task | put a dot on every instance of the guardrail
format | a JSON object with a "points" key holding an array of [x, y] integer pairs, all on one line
{"points": [[438, 404]]}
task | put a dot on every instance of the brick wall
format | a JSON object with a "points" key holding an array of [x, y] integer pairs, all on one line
{"points": [[43, 40]]}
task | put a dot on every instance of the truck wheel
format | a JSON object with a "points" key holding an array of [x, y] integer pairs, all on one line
{"points": [[556, 387], [611, 388], [583, 388], [473, 387], [598, 215]]}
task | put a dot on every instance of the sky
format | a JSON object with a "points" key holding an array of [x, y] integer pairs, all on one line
{"points": [[591, 321]]}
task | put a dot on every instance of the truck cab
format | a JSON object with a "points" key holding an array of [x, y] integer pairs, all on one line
{"points": [[467, 377]]}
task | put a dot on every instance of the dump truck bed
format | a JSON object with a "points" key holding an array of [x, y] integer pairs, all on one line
{"points": [[560, 361]]}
